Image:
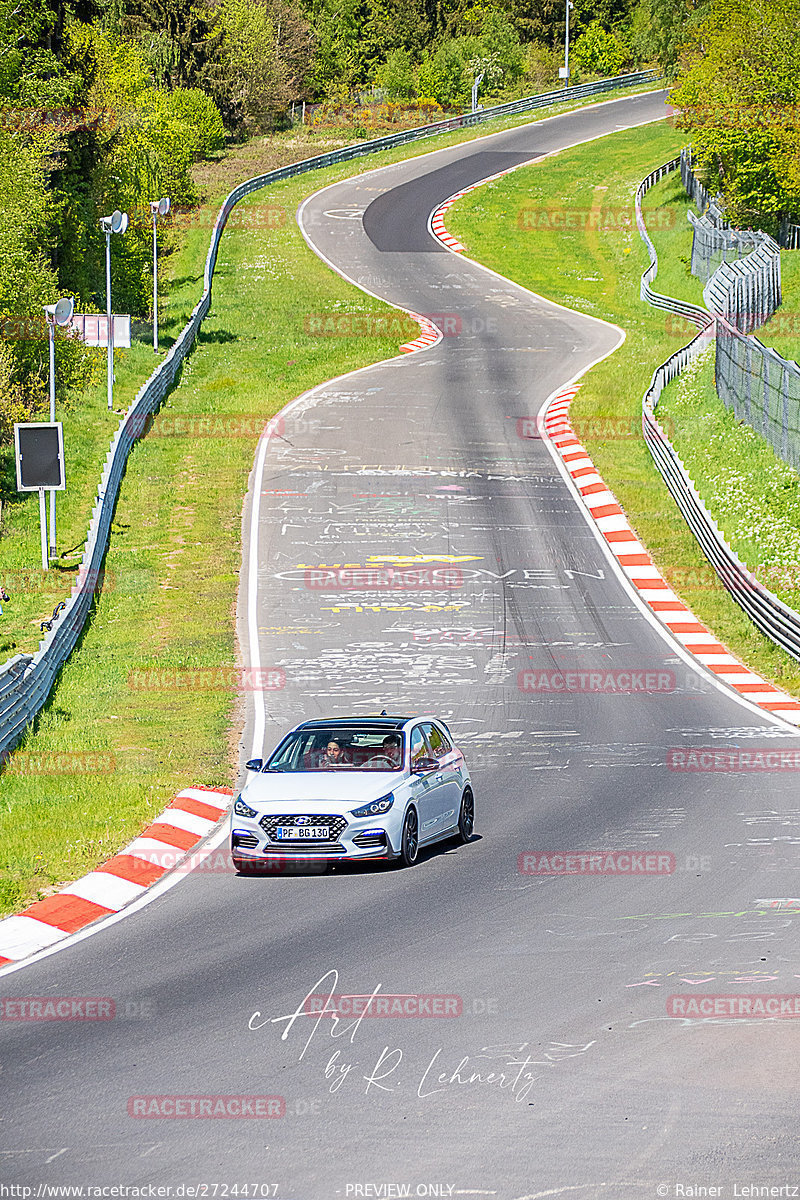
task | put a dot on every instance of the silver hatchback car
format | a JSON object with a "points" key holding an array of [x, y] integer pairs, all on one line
{"points": [[351, 788]]}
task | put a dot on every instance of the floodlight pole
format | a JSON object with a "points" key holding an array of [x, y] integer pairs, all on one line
{"points": [[51, 327], [110, 318], [116, 223], [475, 86], [55, 314], [154, 208], [566, 48], [159, 208]]}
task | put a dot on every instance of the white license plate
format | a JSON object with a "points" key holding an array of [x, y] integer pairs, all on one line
{"points": [[296, 832]]}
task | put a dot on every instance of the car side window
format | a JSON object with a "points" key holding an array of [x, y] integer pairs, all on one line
{"points": [[439, 744], [419, 748]]}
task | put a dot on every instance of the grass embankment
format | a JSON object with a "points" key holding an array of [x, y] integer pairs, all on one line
{"points": [[106, 755], [593, 263]]}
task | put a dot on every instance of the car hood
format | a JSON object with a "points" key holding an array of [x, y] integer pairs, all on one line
{"points": [[322, 787]]}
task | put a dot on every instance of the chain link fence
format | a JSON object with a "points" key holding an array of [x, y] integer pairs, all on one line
{"points": [[712, 245], [762, 388], [708, 206]]}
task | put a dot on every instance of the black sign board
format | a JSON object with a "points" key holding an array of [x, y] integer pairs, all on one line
{"points": [[39, 450]]}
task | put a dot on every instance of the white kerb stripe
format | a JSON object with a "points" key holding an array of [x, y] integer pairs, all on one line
{"points": [[21, 936], [185, 820], [647, 573], [101, 887], [217, 799], [159, 853]]}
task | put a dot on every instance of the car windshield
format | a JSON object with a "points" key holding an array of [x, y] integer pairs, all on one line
{"points": [[340, 748]]}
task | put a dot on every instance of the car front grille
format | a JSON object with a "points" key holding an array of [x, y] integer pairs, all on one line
{"points": [[365, 840], [248, 840], [334, 824]]}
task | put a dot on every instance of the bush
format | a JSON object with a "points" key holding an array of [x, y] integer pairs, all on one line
{"points": [[443, 76], [600, 52], [540, 67], [201, 118], [396, 76]]}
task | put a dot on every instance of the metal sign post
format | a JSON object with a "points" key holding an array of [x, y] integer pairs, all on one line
{"points": [[39, 454], [43, 526]]}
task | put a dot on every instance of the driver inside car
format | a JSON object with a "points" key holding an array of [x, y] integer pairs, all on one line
{"points": [[391, 750]]}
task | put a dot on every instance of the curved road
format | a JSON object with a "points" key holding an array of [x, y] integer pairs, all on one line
{"points": [[562, 1072]]}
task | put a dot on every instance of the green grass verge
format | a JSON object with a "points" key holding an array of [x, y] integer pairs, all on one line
{"points": [[593, 263], [107, 755]]}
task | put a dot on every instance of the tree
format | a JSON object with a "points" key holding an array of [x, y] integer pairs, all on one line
{"points": [[599, 51], [341, 61], [245, 77], [739, 92], [396, 77], [186, 37], [442, 75]]}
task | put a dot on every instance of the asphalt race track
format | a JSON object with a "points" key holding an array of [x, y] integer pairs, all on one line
{"points": [[557, 1068]]}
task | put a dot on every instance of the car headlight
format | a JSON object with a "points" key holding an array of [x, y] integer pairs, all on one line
{"points": [[243, 810], [375, 807]]}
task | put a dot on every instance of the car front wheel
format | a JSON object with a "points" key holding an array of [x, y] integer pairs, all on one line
{"points": [[409, 845], [466, 818]]}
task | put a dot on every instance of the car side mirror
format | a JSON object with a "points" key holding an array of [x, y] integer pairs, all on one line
{"points": [[255, 764], [423, 765]]}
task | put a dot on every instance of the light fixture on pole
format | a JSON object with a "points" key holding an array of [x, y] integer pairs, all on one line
{"points": [[55, 314], [475, 86], [563, 72], [116, 223], [159, 208]]}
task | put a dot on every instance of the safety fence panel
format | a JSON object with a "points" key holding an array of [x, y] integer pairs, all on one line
{"points": [[748, 292]]}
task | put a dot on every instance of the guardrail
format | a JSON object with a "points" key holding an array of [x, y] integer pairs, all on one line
{"points": [[768, 613], [692, 312], [26, 680]]}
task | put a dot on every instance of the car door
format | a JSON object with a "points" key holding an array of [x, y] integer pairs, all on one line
{"points": [[449, 790], [425, 786]]}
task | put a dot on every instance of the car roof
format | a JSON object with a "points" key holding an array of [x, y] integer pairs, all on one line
{"points": [[375, 722], [380, 722]]}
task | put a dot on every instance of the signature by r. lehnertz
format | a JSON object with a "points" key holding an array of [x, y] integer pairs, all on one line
{"points": [[394, 1069]]}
